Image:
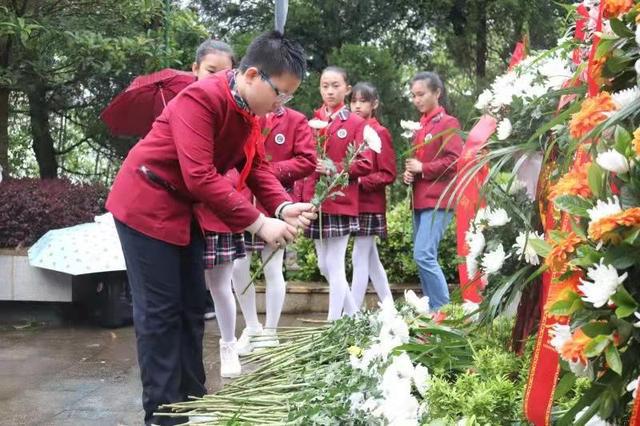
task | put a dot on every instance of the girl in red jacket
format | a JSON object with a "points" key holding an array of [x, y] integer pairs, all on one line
{"points": [[372, 202], [437, 148], [291, 151], [339, 214]]}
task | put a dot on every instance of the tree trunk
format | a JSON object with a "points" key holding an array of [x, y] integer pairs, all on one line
{"points": [[4, 132], [42, 141], [5, 45], [481, 42]]}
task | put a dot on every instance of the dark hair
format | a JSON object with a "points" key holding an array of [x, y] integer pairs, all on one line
{"points": [[214, 46], [338, 70], [275, 55], [367, 91], [434, 83]]}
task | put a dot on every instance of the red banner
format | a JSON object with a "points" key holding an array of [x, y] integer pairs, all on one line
{"points": [[545, 364], [470, 199]]}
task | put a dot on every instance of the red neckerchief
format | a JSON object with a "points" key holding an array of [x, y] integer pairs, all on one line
{"points": [[253, 141]]}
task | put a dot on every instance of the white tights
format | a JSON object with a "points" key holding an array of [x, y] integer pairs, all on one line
{"points": [[219, 284], [366, 263], [275, 293], [331, 253]]}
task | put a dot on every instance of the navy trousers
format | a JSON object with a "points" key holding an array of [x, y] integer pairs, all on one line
{"points": [[169, 298]]}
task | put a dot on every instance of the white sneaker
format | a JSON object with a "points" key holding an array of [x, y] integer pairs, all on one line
{"points": [[229, 360], [268, 339], [245, 345]]}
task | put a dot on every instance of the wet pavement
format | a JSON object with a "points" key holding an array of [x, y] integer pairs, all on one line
{"points": [[57, 371]]}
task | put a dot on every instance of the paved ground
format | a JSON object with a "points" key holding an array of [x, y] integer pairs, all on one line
{"points": [[57, 371]]}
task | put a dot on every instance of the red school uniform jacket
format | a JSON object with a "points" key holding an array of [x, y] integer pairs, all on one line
{"points": [[199, 136], [383, 173], [290, 151], [438, 156], [345, 128]]}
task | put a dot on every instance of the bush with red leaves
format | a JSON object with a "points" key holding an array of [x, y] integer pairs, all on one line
{"points": [[31, 207]]}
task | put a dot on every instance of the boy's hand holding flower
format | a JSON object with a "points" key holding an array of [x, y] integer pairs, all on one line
{"points": [[412, 165]]}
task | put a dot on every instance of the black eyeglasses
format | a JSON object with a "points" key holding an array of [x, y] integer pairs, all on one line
{"points": [[283, 98]]}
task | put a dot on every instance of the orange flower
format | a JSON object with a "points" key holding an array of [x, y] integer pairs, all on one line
{"points": [[592, 112], [636, 137], [595, 70], [562, 290], [573, 349], [615, 8], [575, 182], [558, 258], [603, 228]]}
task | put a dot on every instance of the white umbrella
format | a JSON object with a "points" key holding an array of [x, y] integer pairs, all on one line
{"points": [[81, 249]]}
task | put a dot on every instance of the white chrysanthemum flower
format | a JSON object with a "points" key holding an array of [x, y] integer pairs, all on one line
{"points": [[633, 387], [421, 379], [492, 261], [393, 334], [387, 311], [580, 369], [605, 282], [419, 304], [469, 307], [318, 124], [481, 217], [556, 70], [626, 96], [637, 323], [484, 100], [560, 334], [475, 241], [513, 187], [401, 409], [604, 209], [472, 266], [504, 129], [524, 248], [373, 406], [498, 217], [372, 139], [613, 161], [412, 126], [408, 134], [356, 400]]}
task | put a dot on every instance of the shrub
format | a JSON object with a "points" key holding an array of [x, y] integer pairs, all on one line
{"points": [[31, 207]]}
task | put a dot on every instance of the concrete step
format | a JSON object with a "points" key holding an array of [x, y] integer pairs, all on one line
{"points": [[314, 296]]}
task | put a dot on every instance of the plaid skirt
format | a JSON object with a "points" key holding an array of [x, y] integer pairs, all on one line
{"points": [[221, 248], [253, 243], [332, 226], [372, 224]]}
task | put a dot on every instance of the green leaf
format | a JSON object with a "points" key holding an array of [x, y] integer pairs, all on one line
{"points": [[586, 256], [604, 47], [632, 236], [595, 329], [622, 139], [596, 179], [625, 303], [565, 384], [622, 256], [541, 247], [573, 204], [613, 358], [596, 346], [620, 28], [628, 197]]}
